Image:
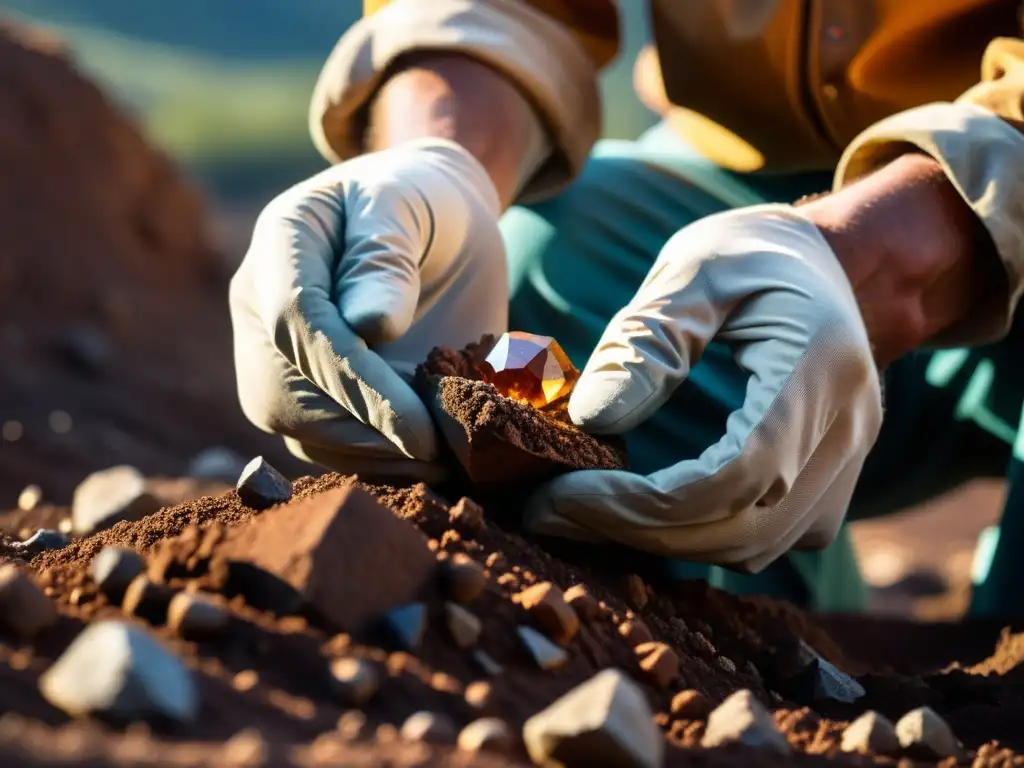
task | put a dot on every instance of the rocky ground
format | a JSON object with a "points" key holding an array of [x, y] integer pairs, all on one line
{"points": [[151, 620], [270, 625], [114, 332]]}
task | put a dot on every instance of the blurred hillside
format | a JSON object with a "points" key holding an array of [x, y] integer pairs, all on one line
{"points": [[243, 29], [224, 86]]}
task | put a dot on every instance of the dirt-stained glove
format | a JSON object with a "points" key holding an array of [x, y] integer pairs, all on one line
{"points": [[351, 278], [764, 281]]}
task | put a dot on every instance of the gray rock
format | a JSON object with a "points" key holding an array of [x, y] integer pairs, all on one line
{"points": [[24, 609], [354, 680], [42, 540], [605, 721], [544, 652], [194, 615], [113, 569], [742, 719], [216, 463], [832, 683], [261, 486], [487, 733], [870, 734], [817, 679], [463, 626], [118, 670], [430, 727], [407, 625], [107, 497], [487, 663], [922, 729]]}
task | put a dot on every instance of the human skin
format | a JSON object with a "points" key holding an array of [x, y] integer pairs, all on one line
{"points": [[454, 97], [916, 255]]}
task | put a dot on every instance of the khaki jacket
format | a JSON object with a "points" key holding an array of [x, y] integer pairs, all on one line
{"points": [[800, 84]]}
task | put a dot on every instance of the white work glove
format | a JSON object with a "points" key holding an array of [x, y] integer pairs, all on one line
{"points": [[764, 281], [351, 278]]}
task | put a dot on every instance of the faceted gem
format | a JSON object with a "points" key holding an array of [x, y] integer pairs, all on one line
{"points": [[531, 369]]}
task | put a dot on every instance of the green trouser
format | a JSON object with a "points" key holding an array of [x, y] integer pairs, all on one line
{"points": [[577, 259]]}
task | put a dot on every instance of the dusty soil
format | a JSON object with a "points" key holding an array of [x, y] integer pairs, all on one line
{"points": [[500, 443], [114, 332], [918, 563]]}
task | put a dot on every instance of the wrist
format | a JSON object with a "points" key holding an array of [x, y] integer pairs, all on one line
{"points": [[917, 257], [454, 97]]}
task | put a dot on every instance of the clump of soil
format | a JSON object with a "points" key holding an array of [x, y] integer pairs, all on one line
{"points": [[500, 441], [114, 335], [465, 363]]}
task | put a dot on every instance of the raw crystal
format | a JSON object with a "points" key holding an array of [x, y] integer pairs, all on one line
{"points": [[531, 369]]}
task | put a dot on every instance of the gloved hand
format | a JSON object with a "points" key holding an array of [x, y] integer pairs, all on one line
{"points": [[764, 281], [351, 278]]}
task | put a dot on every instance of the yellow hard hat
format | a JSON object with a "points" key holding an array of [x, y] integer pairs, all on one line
{"points": [[786, 84]]}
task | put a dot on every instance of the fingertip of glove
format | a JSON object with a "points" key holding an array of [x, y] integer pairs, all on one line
{"points": [[375, 325], [538, 512], [544, 515], [417, 440], [600, 404]]}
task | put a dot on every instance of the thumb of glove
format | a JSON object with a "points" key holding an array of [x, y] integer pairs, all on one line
{"points": [[648, 348], [378, 278]]}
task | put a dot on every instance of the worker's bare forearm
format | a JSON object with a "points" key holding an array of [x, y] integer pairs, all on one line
{"points": [[453, 97], [917, 257]]}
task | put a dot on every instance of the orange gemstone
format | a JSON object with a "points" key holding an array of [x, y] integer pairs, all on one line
{"points": [[531, 369]]}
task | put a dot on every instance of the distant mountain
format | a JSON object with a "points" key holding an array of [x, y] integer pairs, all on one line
{"points": [[249, 29]]}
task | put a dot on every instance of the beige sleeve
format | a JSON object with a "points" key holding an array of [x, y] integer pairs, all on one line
{"points": [[978, 141], [537, 52]]}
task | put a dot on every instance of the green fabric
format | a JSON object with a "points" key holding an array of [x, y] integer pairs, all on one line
{"points": [[577, 259]]}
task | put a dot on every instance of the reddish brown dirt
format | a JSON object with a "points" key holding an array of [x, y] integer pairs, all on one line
{"points": [[102, 239], [501, 442], [464, 363], [269, 673]]}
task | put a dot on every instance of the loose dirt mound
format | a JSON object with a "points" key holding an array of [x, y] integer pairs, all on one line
{"points": [[267, 683], [114, 306]]}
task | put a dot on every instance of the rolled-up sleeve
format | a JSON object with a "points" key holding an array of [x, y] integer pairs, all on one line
{"points": [[551, 49], [979, 141]]}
